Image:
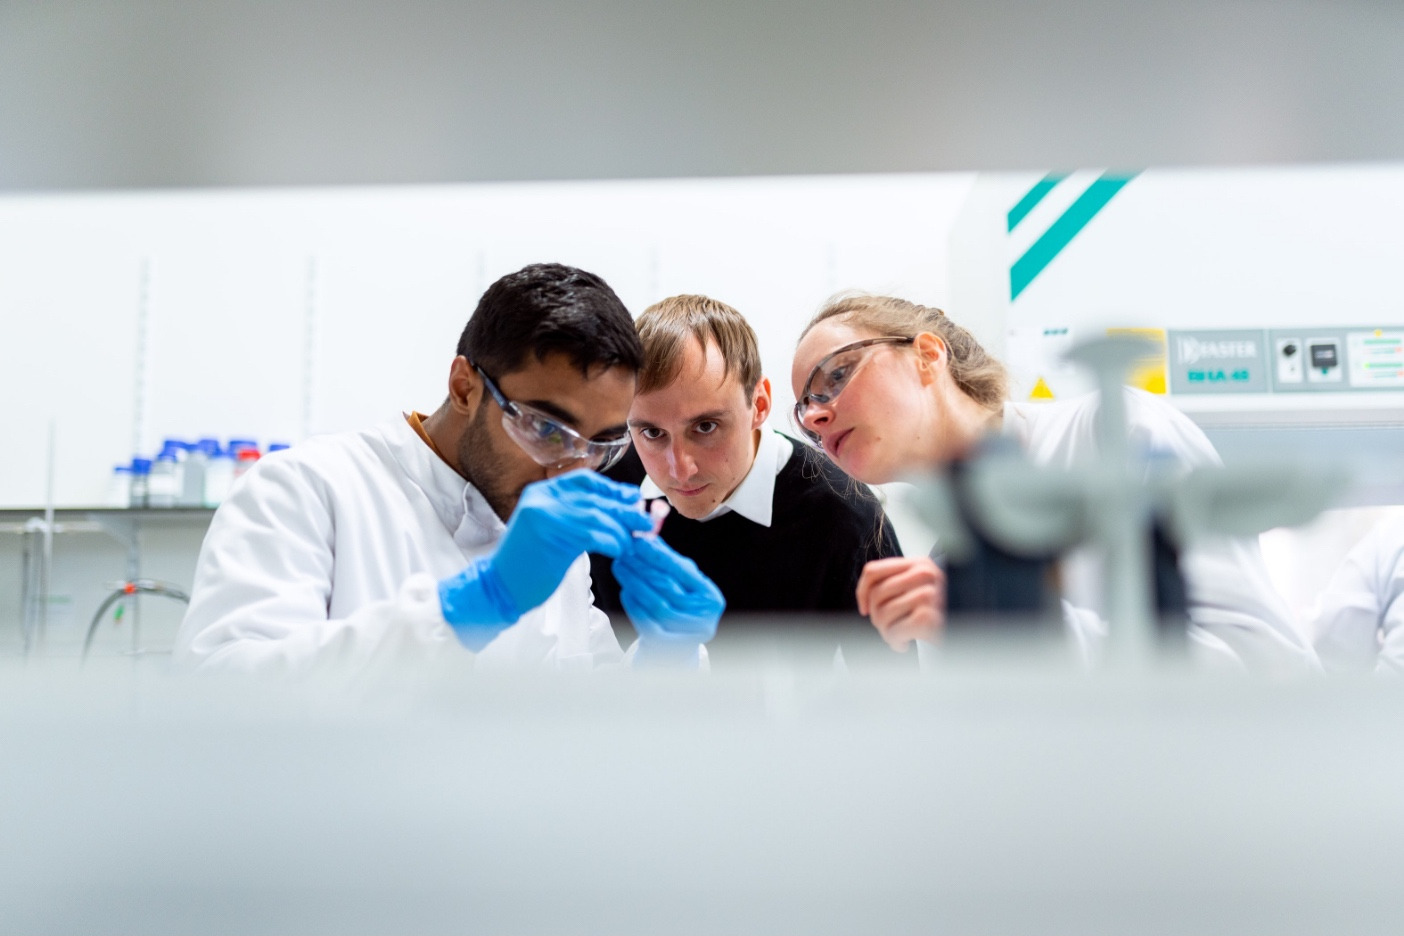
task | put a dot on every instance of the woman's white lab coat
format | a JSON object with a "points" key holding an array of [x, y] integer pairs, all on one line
{"points": [[1233, 604], [330, 553], [1358, 622]]}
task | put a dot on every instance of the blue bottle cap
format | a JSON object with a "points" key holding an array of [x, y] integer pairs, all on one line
{"points": [[236, 444], [278, 446], [141, 466]]}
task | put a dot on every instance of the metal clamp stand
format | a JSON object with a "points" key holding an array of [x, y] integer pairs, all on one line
{"points": [[130, 588], [123, 526], [1108, 501], [127, 532]]}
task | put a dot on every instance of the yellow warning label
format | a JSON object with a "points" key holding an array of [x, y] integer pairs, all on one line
{"points": [[1150, 373], [1041, 391]]}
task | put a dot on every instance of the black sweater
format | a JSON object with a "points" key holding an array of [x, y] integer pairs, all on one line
{"points": [[824, 528]]}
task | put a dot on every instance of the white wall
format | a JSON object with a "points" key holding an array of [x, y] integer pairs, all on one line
{"points": [[282, 314]]}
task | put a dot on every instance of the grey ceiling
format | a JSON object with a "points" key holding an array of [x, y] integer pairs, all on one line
{"points": [[178, 93]]}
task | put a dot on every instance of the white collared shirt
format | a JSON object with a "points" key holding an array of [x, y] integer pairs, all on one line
{"points": [[754, 497]]}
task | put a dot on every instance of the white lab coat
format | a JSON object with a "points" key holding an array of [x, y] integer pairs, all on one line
{"points": [[1358, 621], [1234, 607], [329, 554]]}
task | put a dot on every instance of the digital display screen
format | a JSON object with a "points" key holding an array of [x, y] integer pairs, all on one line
{"points": [[1324, 355]]}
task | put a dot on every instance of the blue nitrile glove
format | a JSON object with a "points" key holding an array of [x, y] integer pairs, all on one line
{"points": [[555, 521], [674, 607]]}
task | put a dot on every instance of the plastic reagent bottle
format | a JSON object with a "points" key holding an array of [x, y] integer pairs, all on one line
{"points": [[141, 475], [167, 479], [219, 477], [244, 459], [164, 480], [119, 489], [192, 492]]}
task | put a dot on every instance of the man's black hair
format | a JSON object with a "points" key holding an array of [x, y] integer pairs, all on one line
{"points": [[549, 308]]}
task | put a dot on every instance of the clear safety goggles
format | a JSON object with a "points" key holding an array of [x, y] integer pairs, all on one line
{"points": [[832, 374], [550, 443]]}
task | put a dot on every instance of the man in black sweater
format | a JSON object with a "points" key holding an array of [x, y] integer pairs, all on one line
{"points": [[776, 525]]}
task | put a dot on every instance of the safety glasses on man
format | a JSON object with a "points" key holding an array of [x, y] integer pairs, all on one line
{"points": [[829, 377], [550, 443]]}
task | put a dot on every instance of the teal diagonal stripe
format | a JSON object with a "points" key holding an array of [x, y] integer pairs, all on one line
{"points": [[1034, 196], [1062, 231]]}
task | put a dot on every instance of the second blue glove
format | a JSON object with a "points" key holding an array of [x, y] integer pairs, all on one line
{"points": [[673, 606], [554, 522]]}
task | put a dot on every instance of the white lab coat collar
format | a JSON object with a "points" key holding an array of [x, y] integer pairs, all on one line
{"points": [[754, 497], [462, 506]]}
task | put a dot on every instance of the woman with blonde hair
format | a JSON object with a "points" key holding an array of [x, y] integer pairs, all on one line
{"points": [[889, 388]]}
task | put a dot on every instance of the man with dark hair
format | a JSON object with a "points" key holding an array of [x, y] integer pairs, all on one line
{"points": [[773, 522], [463, 532]]}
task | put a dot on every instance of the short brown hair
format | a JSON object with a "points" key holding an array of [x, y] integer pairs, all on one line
{"points": [[666, 327], [977, 374]]}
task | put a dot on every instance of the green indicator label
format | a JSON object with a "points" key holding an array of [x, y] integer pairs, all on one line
{"points": [[1218, 376]]}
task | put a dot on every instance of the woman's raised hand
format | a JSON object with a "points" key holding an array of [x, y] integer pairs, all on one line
{"points": [[905, 597]]}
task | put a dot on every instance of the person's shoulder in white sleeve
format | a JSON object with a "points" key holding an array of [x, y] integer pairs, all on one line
{"points": [[1358, 621], [295, 570]]}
